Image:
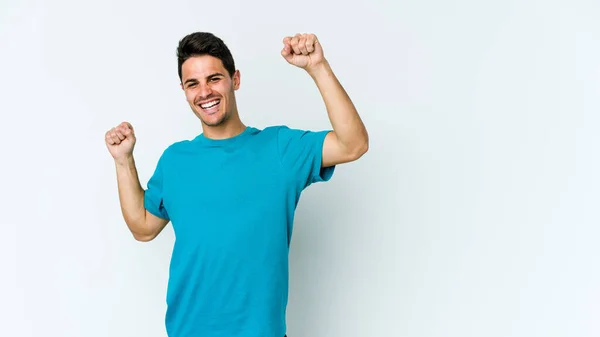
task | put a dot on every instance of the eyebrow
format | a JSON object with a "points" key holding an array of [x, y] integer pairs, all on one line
{"points": [[207, 77]]}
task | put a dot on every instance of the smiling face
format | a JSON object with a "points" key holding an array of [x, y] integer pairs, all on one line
{"points": [[209, 89]]}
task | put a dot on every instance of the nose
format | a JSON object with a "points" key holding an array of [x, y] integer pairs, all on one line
{"points": [[205, 91]]}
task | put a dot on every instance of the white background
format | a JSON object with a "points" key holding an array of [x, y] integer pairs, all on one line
{"points": [[475, 212]]}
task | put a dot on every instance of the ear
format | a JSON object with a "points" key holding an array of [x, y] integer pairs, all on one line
{"points": [[236, 80]]}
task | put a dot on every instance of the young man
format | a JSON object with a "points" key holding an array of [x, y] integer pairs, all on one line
{"points": [[231, 192]]}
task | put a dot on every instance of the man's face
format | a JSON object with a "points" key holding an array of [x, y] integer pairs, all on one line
{"points": [[209, 90]]}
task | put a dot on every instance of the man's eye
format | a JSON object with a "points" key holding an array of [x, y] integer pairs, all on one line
{"points": [[215, 79]]}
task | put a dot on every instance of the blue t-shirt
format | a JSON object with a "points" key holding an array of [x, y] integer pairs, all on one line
{"points": [[231, 203]]}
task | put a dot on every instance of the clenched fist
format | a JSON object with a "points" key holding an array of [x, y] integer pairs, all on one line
{"points": [[303, 51], [120, 141]]}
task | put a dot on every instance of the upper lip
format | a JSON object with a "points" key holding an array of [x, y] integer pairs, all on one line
{"points": [[209, 100]]}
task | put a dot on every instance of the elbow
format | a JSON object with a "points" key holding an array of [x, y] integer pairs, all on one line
{"points": [[140, 229], [143, 238], [364, 148], [141, 234], [360, 149]]}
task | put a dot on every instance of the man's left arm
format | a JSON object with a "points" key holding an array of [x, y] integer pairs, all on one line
{"points": [[349, 139]]}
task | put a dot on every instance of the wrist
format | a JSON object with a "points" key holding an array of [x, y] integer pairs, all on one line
{"points": [[320, 69], [125, 161]]}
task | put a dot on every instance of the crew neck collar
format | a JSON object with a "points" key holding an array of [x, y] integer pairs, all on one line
{"points": [[225, 141]]}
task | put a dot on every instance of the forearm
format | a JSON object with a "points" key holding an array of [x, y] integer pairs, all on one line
{"points": [[344, 117], [131, 196]]}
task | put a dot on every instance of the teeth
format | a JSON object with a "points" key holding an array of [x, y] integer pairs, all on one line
{"points": [[210, 104]]}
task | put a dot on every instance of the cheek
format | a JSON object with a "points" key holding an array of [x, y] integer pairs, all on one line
{"points": [[189, 96]]}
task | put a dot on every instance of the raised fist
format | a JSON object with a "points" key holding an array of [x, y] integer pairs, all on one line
{"points": [[120, 141], [303, 50]]}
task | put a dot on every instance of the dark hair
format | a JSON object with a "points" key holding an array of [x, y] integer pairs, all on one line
{"points": [[204, 43]]}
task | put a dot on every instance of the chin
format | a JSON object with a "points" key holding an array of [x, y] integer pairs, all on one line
{"points": [[214, 120]]}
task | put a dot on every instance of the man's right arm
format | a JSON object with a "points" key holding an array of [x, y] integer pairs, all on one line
{"points": [[143, 225]]}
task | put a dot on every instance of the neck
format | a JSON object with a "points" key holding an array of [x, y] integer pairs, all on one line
{"points": [[228, 129]]}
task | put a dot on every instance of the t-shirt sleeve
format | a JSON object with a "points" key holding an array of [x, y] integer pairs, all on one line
{"points": [[154, 192], [301, 153]]}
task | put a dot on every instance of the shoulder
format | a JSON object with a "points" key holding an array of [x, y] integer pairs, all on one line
{"points": [[282, 132], [175, 150], [287, 136], [179, 146], [274, 129], [273, 132]]}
